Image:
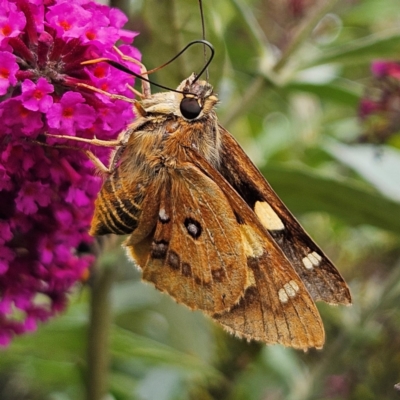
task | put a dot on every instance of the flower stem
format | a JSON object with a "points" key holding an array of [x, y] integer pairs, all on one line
{"points": [[98, 356]]}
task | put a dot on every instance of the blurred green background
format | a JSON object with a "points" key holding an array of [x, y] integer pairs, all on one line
{"points": [[290, 75]]}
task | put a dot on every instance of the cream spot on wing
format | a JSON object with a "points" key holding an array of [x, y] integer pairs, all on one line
{"points": [[163, 216], [283, 297], [291, 288], [307, 263], [252, 244], [312, 260], [268, 216], [316, 255], [251, 281], [248, 251], [294, 285]]}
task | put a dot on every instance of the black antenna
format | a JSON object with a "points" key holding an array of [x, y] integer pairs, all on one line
{"points": [[203, 29], [128, 71]]}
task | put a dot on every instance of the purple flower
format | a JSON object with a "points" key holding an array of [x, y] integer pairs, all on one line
{"points": [[20, 120], [71, 114], [8, 69], [382, 68], [36, 96], [6, 256], [11, 22], [47, 192], [97, 30], [367, 107], [68, 19], [379, 110], [31, 196]]}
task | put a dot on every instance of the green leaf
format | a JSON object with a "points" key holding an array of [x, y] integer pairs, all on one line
{"points": [[304, 191], [127, 345], [122, 385], [379, 45], [129, 296], [327, 91], [379, 165], [169, 385]]}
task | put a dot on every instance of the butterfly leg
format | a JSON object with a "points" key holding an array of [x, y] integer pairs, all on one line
{"points": [[89, 154], [97, 162], [118, 145], [94, 141]]}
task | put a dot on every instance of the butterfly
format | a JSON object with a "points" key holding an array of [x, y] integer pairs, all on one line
{"points": [[205, 226]]}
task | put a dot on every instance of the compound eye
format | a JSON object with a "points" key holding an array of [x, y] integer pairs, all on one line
{"points": [[190, 108]]}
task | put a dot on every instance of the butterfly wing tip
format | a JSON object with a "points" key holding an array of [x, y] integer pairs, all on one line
{"points": [[342, 302]]}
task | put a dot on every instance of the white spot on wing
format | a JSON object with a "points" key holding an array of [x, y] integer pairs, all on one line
{"points": [[192, 229], [294, 285], [283, 297], [289, 290], [316, 255], [251, 281], [312, 260], [268, 216], [307, 263], [163, 215]]}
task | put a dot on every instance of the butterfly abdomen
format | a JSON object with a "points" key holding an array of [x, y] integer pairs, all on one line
{"points": [[116, 210]]}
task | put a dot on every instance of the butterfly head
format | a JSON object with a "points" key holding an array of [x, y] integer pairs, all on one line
{"points": [[198, 98]]}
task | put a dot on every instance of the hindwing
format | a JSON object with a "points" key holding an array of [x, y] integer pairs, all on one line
{"points": [[195, 252]]}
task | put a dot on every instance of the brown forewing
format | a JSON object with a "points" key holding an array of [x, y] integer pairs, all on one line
{"points": [[320, 276], [276, 306]]}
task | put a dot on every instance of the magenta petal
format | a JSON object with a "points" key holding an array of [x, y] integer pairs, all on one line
{"points": [[68, 19], [3, 266], [11, 25], [379, 68], [8, 68], [47, 193], [5, 338], [77, 196], [35, 97], [117, 18], [30, 324]]}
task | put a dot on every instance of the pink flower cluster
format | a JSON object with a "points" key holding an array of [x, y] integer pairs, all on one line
{"points": [[379, 109], [47, 192]]}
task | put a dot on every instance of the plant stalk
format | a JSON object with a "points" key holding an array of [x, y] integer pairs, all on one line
{"points": [[100, 320]]}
